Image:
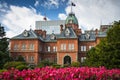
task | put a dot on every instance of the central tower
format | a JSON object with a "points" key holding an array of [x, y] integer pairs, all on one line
{"points": [[71, 21]]}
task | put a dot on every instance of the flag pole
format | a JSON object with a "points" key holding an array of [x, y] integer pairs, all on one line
{"points": [[71, 6]]}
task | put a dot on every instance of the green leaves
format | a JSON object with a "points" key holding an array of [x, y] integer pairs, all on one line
{"points": [[107, 52]]}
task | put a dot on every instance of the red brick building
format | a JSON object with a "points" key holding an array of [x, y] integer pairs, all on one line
{"points": [[70, 45]]}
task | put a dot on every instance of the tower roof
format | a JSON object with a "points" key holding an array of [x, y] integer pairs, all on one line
{"points": [[71, 19]]}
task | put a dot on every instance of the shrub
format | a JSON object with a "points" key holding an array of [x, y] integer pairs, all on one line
{"points": [[21, 67], [2, 70], [56, 66], [66, 65], [75, 64], [13, 64], [45, 63]]}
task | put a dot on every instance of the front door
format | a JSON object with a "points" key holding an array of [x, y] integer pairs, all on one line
{"points": [[67, 60]]}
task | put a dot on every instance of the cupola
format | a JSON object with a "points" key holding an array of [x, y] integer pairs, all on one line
{"points": [[71, 21]]}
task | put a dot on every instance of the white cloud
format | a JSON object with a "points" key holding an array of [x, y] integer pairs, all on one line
{"points": [[90, 13], [62, 16], [3, 7], [19, 18], [51, 4], [36, 3]]}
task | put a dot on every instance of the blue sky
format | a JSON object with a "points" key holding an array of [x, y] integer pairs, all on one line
{"points": [[18, 15]]}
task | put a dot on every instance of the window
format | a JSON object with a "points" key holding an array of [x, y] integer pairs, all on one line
{"points": [[40, 47], [31, 47], [63, 46], [71, 46], [90, 47], [31, 58], [48, 48], [54, 48], [24, 58], [16, 47], [83, 48], [82, 59], [23, 46]]}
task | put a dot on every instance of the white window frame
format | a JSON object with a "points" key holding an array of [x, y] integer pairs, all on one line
{"points": [[23, 46], [16, 47], [63, 47], [31, 58], [48, 48], [90, 47], [31, 47], [82, 59], [83, 48], [71, 46], [54, 49]]}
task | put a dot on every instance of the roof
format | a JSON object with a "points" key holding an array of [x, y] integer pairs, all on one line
{"points": [[71, 33], [30, 34], [91, 36], [84, 37]]}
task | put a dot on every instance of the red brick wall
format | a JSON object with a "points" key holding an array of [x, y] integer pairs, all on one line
{"points": [[61, 54]]}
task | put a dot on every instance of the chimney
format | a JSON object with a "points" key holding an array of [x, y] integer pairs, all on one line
{"points": [[96, 32], [44, 34], [39, 32], [61, 28]]}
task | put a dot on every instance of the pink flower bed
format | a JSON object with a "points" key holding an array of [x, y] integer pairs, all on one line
{"points": [[71, 73]]}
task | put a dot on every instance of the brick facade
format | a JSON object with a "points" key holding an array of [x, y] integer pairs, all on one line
{"points": [[71, 44]]}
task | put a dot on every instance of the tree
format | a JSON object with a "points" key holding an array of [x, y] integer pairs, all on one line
{"points": [[4, 54], [107, 52]]}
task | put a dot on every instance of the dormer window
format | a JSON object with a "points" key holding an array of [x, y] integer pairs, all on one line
{"points": [[87, 36], [25, 33], [52, 36], [67, 32]]}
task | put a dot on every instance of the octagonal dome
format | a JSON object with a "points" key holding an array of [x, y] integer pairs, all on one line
{"points": [[71, 19]]}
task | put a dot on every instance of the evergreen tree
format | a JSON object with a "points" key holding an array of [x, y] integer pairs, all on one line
{"points": [[4, 53]]}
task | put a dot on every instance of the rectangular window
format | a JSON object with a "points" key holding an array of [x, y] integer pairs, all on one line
{"points": [[31, 58], [90, 47], [63, 47], [16, 47], [40, 47], [31, 47], [54, 48], [83, 48], [71, 46], [48, 48], [23, 46], [82, 59]]}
